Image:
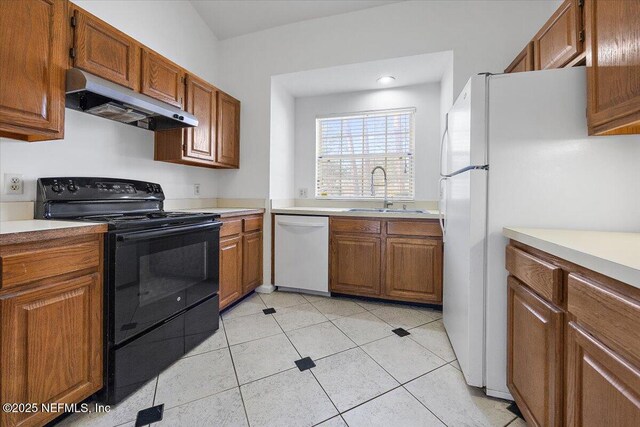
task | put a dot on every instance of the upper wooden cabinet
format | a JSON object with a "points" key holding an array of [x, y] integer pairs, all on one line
{"points": [[162, 79], [228, 143], [100, 49], [215, 141], [523, 62], [33, 61], [559, 42], [613, 66]]}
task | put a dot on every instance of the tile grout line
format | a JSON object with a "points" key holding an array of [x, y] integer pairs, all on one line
{"points": [[310, 369], [425, 406], [235, 371]]}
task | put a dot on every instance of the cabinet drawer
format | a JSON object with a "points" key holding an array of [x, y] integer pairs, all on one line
{"points": [[541, 276], [252, 223], [414, 228], [231, 227], [344, 225], [22, 268], [612, 317]]}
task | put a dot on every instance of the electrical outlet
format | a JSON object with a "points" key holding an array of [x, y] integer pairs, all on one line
{"points": [[196, 189], [13, 183], [303, 193]]}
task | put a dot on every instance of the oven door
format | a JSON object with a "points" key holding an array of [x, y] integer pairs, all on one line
{"points": [[158, 273]]}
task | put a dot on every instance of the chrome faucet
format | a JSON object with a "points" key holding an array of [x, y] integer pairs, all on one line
{"points": [[386, 203]]}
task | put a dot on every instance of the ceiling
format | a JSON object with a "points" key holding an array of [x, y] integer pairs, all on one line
{"points": [[231, 18], [408, 70]]}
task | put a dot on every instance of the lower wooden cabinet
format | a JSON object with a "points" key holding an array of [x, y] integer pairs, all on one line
{"points": [[576, 363], [535, 356], [230, 270], [240, 257], [355, 264], [386, 258], [414, 269], [51, 332], [251, 261]]}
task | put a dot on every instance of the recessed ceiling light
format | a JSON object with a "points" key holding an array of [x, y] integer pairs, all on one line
{"points": [[385, 80]]}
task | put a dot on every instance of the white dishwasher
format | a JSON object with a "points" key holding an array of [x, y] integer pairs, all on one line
{"points": [[302, 253]]}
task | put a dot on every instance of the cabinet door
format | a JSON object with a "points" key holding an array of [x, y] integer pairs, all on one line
{"points": [[355, 264], [252, 261], [523, 62], [414, 269], [558, 41], [228, 143], [201, 102], [33, 62], [534, 355], [106, 52], [230, 270], [162, 79], [613, 70], [51, 345], [603, 389]]}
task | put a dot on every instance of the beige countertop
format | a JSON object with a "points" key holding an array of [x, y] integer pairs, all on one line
{"points": [[614, 254], [39, 229], [429, 214], [226, 212]]}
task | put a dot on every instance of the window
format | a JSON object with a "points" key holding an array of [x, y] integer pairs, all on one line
{"points": [[350, 146]]}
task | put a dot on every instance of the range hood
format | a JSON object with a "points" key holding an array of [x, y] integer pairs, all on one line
{"points": [[94, 95]]}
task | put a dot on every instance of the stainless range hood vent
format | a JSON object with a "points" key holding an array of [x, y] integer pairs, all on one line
{"points": [[99, 97]]}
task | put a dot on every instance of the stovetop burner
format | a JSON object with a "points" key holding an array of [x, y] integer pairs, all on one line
{"points": [[121, 203]]}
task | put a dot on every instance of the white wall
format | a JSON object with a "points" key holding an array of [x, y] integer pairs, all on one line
{"points": [[283, 116], [99, 147], [484, 36], [425, 98]]}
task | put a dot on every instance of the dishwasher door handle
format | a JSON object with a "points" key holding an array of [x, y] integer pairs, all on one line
{"points": [[300, 224]]}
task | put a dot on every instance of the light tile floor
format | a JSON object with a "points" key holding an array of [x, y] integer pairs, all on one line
{"points": [[365, 375]]}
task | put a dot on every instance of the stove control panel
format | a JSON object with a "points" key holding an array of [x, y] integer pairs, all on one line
{"points": [[87, 189]]}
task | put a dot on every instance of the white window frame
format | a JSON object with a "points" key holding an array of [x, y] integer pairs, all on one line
{"points": [[379, 190]]}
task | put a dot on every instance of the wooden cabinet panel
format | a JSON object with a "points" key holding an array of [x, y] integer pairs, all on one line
{"points": [[355, 264], [251, 261], [541, 276], [231, 227], [429, 228], [253, 223], [614, 317], [523, 62], [352, 225], [230, 270], [414, 269], [162, 79], [202, 103], [21, 268], [33, 61], [603, 389], [558, 41], [106, 52], [51, 345], [613, 66], [535, 354], [228, 141]]}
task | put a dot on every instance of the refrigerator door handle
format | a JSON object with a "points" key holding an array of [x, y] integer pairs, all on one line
{"points": [[466, 169], [441, 210], [444, 138]]}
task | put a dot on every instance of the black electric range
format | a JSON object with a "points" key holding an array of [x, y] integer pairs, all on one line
{"points": [[160, 273]]}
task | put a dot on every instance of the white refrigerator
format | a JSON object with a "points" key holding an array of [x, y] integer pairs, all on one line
{"points": [[516, 153]]}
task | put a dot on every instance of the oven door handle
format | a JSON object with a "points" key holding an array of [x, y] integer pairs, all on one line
{"points": [[145, 235]]}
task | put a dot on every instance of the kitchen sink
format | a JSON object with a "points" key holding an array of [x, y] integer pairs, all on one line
{"points": [[386, 210]]}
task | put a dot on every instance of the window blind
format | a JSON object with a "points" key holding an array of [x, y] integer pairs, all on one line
{"points": [[350, 146]]}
